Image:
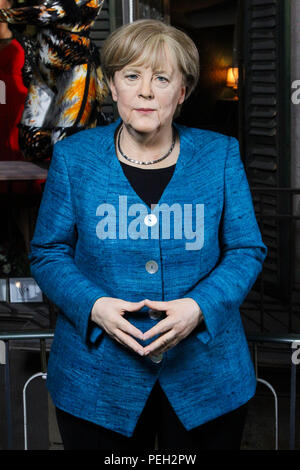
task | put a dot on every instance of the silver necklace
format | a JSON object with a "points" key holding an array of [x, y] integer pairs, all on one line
{"points": [[151, 161]]}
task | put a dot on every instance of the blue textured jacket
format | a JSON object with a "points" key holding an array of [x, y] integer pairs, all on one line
{"points": [[89, 374]]}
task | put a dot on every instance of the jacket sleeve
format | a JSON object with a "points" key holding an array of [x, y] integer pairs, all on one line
{"points": [[52, 248], [221, 293], [38, 14]]}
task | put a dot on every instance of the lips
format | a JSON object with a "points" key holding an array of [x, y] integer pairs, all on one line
{"points": [[145, 110]]}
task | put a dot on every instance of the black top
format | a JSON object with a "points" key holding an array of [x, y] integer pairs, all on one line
{"points": [[150, 183]]}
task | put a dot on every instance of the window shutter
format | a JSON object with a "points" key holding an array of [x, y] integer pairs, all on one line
{"points": [[265, 132], [100, 31]]}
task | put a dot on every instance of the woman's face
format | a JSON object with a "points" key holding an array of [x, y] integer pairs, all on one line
{"points": [[147, 99]]}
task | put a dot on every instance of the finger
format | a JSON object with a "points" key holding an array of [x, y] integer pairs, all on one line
{"points": [[156, 304], [133, 306], [119, 341], [161, 327], [124, 344], [130, 329], [161, 344], [129, 342]]}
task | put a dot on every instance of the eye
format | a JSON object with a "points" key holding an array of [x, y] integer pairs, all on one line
{"points": [[162, 79], [131, 76]]}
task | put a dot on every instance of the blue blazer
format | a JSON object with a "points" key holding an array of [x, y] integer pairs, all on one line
{"points": [[214, 257]]}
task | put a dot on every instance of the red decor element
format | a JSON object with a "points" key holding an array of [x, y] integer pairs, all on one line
{"points": [[11, 63]]}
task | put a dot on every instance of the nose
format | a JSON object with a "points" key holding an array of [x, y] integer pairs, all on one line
{"points": [[146, 90]]}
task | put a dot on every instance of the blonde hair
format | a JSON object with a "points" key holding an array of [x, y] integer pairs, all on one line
{"points": [[143, 42]]}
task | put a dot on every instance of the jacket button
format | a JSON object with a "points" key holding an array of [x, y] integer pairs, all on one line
{"points": [[150, 220], [151, 266], [156, 357], [154, 314]]}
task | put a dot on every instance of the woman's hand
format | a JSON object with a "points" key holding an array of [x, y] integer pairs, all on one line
{"points": [[108, 313], [183, 315]]}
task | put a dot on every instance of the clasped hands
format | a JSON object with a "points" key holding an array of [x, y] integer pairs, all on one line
{"points": [[182, 316]]}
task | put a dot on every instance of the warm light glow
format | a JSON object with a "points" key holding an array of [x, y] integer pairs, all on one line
{"points": [[232, 77], [18, 284]]}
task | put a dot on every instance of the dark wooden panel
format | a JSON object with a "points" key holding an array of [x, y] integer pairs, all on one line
{"points": [[265, 127]]}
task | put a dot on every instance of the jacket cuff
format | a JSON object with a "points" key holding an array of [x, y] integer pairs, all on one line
{"points": [[89, 330], [94, 333], [204, 332]]}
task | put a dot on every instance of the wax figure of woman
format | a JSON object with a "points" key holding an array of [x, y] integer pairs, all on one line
{"points": [[67, 88], [147, 241]]}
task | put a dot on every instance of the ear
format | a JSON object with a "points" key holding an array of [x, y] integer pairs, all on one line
{"points": [[182, 94], [113, 89]]}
